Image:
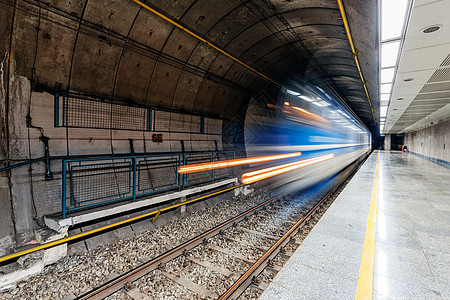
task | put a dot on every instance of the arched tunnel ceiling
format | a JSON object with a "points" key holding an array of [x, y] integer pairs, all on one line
{"points": [[119, 50]]}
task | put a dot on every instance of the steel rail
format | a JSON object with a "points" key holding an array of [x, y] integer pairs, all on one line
{"points": [[119, 282], [247, 278]]}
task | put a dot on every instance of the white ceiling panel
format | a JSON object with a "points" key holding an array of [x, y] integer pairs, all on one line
{"points": [[428, 58], [422, 55], [433, 13]]}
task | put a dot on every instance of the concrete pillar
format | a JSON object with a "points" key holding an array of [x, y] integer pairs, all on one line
{"points": [[387, 142], [183, 207]]}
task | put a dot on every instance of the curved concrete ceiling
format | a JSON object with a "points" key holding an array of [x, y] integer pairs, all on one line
{"points": [[119, 50]]}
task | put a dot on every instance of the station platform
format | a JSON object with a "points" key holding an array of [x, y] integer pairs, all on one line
{"points": [[410, 243]]}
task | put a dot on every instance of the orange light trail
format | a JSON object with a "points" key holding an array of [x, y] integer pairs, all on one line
{"points": [[302, 110], [233, 162], [258, 175]]}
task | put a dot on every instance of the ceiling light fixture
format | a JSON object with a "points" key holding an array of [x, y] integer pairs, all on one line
{"points": [[431, 29], [394, 16]]}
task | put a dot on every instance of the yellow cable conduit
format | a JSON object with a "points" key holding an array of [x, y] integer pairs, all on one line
{"points": [[347, 29], [355, 54], [203, 40], [107, 227], [156, 213]]}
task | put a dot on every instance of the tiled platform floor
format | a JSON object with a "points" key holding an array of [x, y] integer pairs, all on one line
{"points": [[412, 249]]}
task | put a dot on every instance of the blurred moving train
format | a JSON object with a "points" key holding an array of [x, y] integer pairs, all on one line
{"points": [[308, 121]]}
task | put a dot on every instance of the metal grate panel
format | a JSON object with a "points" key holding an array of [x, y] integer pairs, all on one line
{"points": [[440, 75], [161, 121], [156, 174], [435, 87], [446, 61], [94, 182], [98, 181], [86, 113], [199, 177], [436, 95], [89, 112]]}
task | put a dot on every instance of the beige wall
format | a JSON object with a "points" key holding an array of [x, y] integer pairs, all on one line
{"points": [[25, 195], [430, 141]]}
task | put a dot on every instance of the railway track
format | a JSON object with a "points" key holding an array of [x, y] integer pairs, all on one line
{"points": [[223, 262]]}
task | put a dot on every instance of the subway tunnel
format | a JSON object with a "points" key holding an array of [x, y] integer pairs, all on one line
{"points": [[103, 103]]}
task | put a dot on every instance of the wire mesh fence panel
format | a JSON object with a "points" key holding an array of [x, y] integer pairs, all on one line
{"points": [[157, 174], [87, 113], [129, 117], [79, 111], [198, 177], [223, 172], [161, 121], [91, 183]]}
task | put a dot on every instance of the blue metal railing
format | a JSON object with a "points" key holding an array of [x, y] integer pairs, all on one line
{"points": [[92, 182]]}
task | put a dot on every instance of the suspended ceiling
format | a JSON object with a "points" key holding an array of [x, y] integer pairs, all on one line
{"points": [[421, 93], [119, 50]]}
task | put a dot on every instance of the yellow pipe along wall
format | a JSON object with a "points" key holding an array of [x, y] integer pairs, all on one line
{"points": [[107, 227], [355, 54]]}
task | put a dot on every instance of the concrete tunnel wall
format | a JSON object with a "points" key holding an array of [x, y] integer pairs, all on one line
{"points": [[432, 141], [25, 195], [119, 51]]}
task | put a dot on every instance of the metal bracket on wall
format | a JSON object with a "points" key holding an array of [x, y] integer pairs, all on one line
{"points": [[48, 173], [183, 150], [131, 146]]}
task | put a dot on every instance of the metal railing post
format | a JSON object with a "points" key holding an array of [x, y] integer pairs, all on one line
{"points": [[56, 110], [234, 157], [179, 176], [212, 171], [184, 175], [134, 178], [64, 192]]}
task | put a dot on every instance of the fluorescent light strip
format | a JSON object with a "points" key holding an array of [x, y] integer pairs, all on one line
{"points": [[233, 162], [258, 175], [387, 75], [389, 54], [304, 147], [385, 97], [386, 88], [393, 14]]}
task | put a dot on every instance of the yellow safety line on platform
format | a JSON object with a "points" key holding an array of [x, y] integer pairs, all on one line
{"points": [[171, 21], [107, 227], [364, 289]]}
